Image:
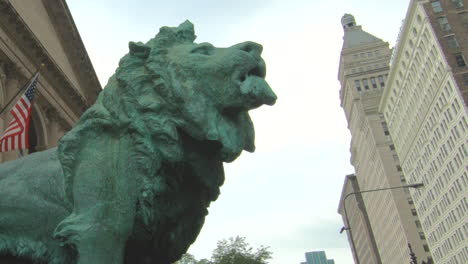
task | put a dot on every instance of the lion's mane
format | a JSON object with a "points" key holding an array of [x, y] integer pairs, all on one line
{"points": [[138, 101]]}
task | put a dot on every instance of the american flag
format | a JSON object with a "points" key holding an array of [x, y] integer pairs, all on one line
{"points": [[16, 135]]}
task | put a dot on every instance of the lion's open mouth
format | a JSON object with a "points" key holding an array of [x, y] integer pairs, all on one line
{"points": [[253, 92]]}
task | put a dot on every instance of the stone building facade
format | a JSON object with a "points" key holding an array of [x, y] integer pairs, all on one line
{"points": [[358, 219], [43, 32], [425, 107]]}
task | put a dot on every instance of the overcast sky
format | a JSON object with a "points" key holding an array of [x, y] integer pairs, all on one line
{"points": [[285, 195]]}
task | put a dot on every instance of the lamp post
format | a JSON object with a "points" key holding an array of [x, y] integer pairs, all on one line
{"points": [[415, 185]]}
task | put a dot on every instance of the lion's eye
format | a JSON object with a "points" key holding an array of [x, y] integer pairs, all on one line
{"points": [[203, 49]]}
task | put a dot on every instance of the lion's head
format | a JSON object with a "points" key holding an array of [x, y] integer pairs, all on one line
{"points": [[211, 89], [183, 104]]}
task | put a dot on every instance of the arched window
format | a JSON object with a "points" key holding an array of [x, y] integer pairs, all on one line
{"points": [[37, 131], [32, 136]]}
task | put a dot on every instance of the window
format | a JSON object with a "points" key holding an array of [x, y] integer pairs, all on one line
{"points": [[369, 54], [426, 248], [373, 82], [357, 83], [460, 60], [444, 24], [457, 3], [365, 83], [381, 80], [456, 106], [436, 7], [413, 212], [385, 128], [417, 223], [465, 78], [464, 18], [452, 42], [392, 147], [422, 236]]}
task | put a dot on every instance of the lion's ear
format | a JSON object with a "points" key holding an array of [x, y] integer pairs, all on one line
{"points": [[139, 49], [185, 32]]}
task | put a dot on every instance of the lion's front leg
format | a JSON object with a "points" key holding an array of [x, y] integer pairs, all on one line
{"points": [[104, 196], [99, 233]]}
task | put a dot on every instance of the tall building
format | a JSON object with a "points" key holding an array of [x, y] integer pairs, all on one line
{"points": [[425, 107], [317, 257], [363, 70], [358, 221], [35, 32]]}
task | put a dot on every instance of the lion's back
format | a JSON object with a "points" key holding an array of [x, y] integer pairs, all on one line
{"points": [[32, 199], [37, 174]]}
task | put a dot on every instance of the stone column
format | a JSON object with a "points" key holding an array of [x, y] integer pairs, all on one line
{"points": [[2, 99]]}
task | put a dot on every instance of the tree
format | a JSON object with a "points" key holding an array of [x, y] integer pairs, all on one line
{"points": [[232, 251], [237, 251], [188, 258]]}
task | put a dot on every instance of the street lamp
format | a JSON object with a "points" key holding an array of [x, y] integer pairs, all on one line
{"points": [[343, 229], [414, 185]]}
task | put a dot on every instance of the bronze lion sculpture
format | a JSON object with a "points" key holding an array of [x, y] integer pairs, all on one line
{"points": [[132, 181]]}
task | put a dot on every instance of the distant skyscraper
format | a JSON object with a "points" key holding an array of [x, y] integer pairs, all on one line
{"points": [[317, 257]]}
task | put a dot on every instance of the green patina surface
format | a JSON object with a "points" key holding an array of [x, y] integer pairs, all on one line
{"points": [[131, 182]]}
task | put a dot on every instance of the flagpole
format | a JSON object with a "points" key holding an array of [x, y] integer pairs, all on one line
{"points": [[22, 89]]}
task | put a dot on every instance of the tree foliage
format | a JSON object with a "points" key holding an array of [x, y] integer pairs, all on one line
{"points": [[188, 258], [234, 250], [237, 251]]}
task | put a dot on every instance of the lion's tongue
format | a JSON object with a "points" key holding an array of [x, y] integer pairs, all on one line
{"points": [[237, 136], [256, 92]]}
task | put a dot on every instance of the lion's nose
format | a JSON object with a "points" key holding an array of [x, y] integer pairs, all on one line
{"points": [[250, 47], [257, 92]]}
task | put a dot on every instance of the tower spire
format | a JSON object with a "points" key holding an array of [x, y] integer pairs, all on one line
{"points": [[348, 21], [354, 36]]}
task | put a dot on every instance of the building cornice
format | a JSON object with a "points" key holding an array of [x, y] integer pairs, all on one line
{"points": [[69, 36], [364, 47], [403, 35]]}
